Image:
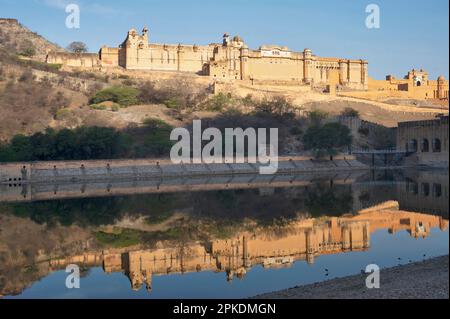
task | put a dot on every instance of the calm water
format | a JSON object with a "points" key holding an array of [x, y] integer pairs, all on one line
{"points": [[219, 243]]}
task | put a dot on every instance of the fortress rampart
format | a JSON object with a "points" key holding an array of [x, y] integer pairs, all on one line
{"points": [[416, 84], [230, 60]]}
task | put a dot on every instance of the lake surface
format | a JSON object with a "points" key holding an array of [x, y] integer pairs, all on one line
{"points": [[219, 243]]}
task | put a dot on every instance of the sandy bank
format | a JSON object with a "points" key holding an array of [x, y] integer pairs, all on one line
{"points": [[420, 280]]}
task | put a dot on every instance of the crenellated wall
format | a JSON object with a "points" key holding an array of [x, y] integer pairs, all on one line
{"points": [[415, 85], [77, 60], [229, 60]]}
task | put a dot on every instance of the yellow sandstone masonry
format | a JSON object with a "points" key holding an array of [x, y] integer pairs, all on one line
{"points": [[233, 60], [230, 60]]}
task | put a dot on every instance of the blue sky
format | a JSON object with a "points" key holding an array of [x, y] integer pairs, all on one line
{"points": [[413, 33]]}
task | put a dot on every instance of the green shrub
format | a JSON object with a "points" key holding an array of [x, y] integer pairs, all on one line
{"points": [[128, 82], [98, 107], [218, 102], [125, 96], [157, 124], [115, 107], [48, 67], [62, 114], [248, 100], [54, 66], [27, 49], [120, 239], [27, 76], [173, 103]]}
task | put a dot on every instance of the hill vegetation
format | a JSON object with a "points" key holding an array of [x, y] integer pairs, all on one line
{"points": [[18, 39], [48, 103]]}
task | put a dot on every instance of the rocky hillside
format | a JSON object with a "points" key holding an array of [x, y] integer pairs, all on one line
{"points": [[18, 39]]}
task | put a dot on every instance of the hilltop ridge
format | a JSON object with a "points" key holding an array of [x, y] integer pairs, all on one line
{"points": [[16, 38]]}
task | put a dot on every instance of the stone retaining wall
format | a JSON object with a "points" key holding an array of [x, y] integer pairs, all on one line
{"points": [[16, 174]]}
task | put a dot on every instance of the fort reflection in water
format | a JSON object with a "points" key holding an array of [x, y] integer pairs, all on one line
{"points": [[302, 240], [421, 204]]}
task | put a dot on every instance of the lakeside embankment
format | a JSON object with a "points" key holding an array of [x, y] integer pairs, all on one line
{"points": [[74, 179], [86, 171], [420, 280]]}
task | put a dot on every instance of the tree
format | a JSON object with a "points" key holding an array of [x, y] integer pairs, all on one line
{"points": [[383, 138], [350, 112], [77, 47], [316, 117], [27, 49], [327, 139], [277, 106]]}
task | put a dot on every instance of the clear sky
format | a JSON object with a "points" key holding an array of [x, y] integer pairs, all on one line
{"points": [[413, 33]]}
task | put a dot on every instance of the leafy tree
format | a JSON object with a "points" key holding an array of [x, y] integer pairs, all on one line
{"points": [[328, 200], [77, 47], [22, 148], [350, 112], [327, 139], [278, 106], [7, 154], [316, 117], [80, 144], [157, 138], [383, 138], [27, 49]]}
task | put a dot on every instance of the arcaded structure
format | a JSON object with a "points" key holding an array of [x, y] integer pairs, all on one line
{"points": [[427, 139]]}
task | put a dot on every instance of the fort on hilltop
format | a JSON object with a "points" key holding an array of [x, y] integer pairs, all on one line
{"points": [[230, 60], [270, 64]]}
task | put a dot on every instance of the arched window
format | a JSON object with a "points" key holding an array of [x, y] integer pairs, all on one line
{"points": [[419, 83], [412, 146], [437, 190], [412, 188], [425, 189], [425, 146], [437, 145]]}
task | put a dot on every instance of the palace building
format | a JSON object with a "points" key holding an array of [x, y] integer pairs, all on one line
{"points": [[230, 60], [416, 84]]}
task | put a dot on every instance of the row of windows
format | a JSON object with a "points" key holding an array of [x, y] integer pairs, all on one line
{"points": [[425, 189], [436, 147]]}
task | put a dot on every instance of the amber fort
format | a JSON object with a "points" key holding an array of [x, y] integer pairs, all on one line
{"points": [[232, 59]]}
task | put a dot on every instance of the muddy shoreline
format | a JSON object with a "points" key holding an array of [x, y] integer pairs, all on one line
{"points": [[420, 280]]}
